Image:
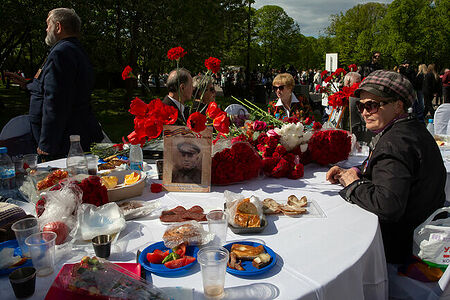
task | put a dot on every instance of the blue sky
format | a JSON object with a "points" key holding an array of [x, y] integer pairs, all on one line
{"points": [[313, 16]]}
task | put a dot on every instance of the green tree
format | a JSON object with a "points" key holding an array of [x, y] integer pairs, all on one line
{"points": [[355, 32], [277, 34]]}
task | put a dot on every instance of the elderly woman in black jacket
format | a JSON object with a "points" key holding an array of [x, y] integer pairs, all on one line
{"points": [[403, 179]]}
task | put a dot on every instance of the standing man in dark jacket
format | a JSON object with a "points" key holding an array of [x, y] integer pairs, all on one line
{"points": [[180, 87], [403, 179], [61, 90]]}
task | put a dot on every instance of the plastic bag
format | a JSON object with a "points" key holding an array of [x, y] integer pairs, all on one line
{"points": [[60, 206], [190, 232], [133, 209], [94, 221], [233, 201], [432, 240], [99, 277]]}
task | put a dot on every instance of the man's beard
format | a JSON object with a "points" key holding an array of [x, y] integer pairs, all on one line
{"points": [[51, 38]]}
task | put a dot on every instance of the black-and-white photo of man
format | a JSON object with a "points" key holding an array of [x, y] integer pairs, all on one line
{"points": [[187, 164]]}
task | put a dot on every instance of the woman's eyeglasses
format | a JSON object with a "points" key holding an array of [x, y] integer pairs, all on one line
{"points": [[370, 106], [281, 87]]}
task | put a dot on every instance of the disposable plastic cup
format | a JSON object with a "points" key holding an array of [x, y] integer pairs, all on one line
{"points": [[23, 229], [30, 160], [42, 249], [218, 224], [92, 161], [213, 262], [102, 245], [23, 281]]}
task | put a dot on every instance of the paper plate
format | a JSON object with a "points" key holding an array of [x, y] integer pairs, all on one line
{"points": [[161, 269], [250, 270], [17, 251]]}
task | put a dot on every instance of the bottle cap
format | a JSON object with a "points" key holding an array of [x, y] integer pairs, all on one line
{"points": [[3, 150], [74, 138], [430, 120]]}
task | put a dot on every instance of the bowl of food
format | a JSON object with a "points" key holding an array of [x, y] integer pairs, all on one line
{"points": [[124, 184]]}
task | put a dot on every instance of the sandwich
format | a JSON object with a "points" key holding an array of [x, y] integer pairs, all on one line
{"points": [[246, 252]]}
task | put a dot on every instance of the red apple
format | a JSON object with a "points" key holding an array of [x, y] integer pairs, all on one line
{"points": [[61, 230]]}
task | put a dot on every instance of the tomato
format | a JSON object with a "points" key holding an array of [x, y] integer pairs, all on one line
{"points": [[61, 230], [159, 252], [177, 263], [180, 250], [155, 258], [189, 260]]}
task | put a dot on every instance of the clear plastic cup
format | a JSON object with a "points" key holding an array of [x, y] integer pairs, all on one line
{"points": [[42, 249], [23, 229], [30, 160], [92, 161], [218, 224], [213, 262]]}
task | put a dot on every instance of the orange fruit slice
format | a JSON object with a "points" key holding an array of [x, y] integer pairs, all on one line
{"points": [[109, 182], [132, 178]]}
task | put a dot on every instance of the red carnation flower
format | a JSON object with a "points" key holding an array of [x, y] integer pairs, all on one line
{"points": [[328, 79], [138, 107], [213, 64], [297, 172], [317, 126], [126, 73], [339, 71], [153, 127], [196, 122], [222, 123], [176, 53], [308, 121], [324, 73], [213, 110], [352, 68]]}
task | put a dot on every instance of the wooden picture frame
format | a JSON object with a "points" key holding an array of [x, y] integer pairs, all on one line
{"points": [[336, 116], [187, 159]]}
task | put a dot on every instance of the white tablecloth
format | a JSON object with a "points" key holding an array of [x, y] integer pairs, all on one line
{"points": [[339, 256]]}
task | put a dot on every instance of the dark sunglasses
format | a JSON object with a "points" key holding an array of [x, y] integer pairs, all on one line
{"points": [[376, 56], [281, 87], [370, 106]]}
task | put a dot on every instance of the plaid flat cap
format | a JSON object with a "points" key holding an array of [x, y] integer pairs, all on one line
{"points": [[388, 84]]}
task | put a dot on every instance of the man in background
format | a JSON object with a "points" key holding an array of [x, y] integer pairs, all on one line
{"points": [[372, 65], [61, 90], [180, 87]]}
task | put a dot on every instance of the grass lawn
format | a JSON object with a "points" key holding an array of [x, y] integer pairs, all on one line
{"points": [[110, 107]]}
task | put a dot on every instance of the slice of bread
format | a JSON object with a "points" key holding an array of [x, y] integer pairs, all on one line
{"points": [[247, 252], [271, 206], [261, 260], [247, 220], [246, 207]]}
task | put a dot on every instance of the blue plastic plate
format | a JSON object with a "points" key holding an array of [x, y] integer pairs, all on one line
{"points": [[250, 270], [17, 251], [161, 269]]}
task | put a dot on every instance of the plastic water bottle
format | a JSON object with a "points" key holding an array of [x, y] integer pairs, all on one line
{"points": [[430, 126], [136, 158], [76, 161], [7, 171]]}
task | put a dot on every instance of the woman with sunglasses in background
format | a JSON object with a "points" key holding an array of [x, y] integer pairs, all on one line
{"points": [[287, 105], [403, 179], [204, 92]]}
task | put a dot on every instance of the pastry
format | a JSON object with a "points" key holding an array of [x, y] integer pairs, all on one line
{"points": [[261, 260], [246, 252]]}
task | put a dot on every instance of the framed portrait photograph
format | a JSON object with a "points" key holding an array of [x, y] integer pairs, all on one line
{"points": [[187, 159], [335, 118]]}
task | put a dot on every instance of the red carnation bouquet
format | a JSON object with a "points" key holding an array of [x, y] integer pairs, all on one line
{"points": [[329, 146], [238, 163]]}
